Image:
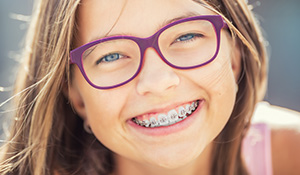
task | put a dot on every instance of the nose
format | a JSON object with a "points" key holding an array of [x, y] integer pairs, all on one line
{"points": [[156, 77]]}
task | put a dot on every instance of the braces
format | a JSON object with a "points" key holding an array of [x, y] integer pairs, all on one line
{"points": [[166, 120]]}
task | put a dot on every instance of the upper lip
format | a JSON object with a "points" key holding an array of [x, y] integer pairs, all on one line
{"points": [[163, 108]]}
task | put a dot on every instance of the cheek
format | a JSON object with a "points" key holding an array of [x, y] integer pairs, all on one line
{"points": [[102, 108], [221, 83], [219, 80], [221, 95], [103, 114], [216, 79], [221, 90], [217, 83]]}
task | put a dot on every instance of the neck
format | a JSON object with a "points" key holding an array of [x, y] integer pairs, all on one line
{"points": [[201, 165]]}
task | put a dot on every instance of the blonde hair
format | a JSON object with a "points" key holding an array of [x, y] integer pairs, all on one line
{"points": [[47, 137]]}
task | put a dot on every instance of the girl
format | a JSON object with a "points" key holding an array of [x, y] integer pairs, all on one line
{"points": [[141, 87]]}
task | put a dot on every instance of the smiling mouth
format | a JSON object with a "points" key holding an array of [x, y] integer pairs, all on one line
{"points": [[166, 119]]}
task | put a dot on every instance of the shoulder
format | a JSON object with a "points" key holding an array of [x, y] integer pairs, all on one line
{"points": [[285, 136]]}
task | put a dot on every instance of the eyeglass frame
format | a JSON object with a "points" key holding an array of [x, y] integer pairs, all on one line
{"points": [[149, 42]]}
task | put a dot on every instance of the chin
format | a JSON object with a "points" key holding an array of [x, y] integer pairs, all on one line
{"points": [[172, 160]]}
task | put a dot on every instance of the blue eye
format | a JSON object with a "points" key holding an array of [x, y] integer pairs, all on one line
{"points": [[188, 37], [109, 58]]}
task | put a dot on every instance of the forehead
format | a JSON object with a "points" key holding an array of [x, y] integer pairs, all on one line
{"points": [[97, 18]]}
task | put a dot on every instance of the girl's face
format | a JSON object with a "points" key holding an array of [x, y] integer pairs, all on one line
{"points": [[158, 89]]}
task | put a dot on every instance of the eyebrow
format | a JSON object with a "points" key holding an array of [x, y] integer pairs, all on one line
{"points": [[187, 15], [164, 23]]}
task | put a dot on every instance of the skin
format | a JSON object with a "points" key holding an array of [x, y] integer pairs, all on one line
{"points": [[158, 87]]}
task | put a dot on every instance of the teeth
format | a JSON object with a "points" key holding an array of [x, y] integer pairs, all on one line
{"points": [[162, 119], [181, 112], [153, 122], [193, 106], [138, 121], [170, 118], [146, 123], [188, 109]]}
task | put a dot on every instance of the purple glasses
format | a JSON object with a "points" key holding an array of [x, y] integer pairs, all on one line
{"points": [[184, 44]]}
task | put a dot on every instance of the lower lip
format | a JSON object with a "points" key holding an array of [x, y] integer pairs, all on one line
{"points": [[166, 130]]}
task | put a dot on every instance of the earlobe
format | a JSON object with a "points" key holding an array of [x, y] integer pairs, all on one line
{"points": [[236, 60], [76, 101]]}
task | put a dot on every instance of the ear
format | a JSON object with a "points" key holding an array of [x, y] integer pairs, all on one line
{"points": [[73, 94], [236, 60]]}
